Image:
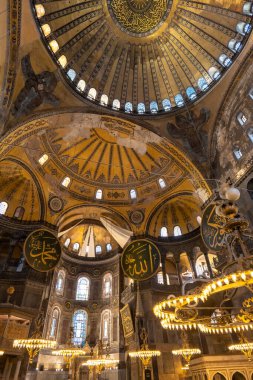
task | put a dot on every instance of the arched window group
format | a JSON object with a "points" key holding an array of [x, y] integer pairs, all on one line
{"points": [[80, 321], [176, 231], [107, 285], [83, 289]]}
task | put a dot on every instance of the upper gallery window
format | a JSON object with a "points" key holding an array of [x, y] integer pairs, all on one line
{"points": [[234, 45], [19, 212], [67, 242], [80, 320], [202, 83], [116, 104], [63, 61], [40, 10], [60, 282], [248, 8], [99, 194], [243, 28], [54, 45], [92, 94], [54, 323], [46, 30], [191, 93], [237, 153], [76, 247], [133, 194], [65, 182], [242, 119], [3, 208], [105, 330], [81, 85], [177, 231], [128, 107], [225, 60], [71, 74], [82, 289], [108, 247], [153, 107], [160, 278], [104, 100], [141, 108], [179, 100], [164, 232], [98, 249], [214, 73], [166, 104], [43, 159], [107, 285], [162, 183]]}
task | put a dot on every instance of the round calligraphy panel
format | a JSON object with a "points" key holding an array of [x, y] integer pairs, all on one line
{"points": [[212, 231], [140, 260], [42, 250]]}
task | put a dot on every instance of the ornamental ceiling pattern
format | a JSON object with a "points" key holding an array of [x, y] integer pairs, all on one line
{"points": [[143, 56]]}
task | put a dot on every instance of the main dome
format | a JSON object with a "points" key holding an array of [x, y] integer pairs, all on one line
{"points": [[143, 56]]}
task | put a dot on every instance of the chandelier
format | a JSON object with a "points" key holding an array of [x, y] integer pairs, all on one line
{"points": [[187, 354], [184, 312], [144, 354], [244, 346], [101, 363], [33, 346], [69, 354], [1, 353]]}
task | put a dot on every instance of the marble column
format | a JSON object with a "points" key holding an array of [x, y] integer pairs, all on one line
{"points": [[9, 370], [17, 370], [6, 367]]}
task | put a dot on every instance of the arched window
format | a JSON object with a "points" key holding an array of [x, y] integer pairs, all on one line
{"points": [[141, 108], [191, 93], [108, 247], [224, 60], [238, 376], [104, 100], [71, 74], [82, 289], [81, 85], [76, 247], [177, 231], [248, 8], [92, 94], [59, 287], [250, 134], [54, 46], [202, 83], [98, 249], [105, 325], [237, 153], [107, 285], [63, 61], [133, 194], [128, 107], [179, 100], [250, 188], [40, 10], [159, 277], [65, 182], [243, 28], [67, 242], [166, 104], [153, 107], [99, 194], [19, 213], [219, 376], [162, 183], [80, 321], [235, 45], [46, 30], [164, 232], [242, 119], [116, 104], [190, 227], [214, 73], [54, 323], [251, 93], [3, 208], [43, 159]]}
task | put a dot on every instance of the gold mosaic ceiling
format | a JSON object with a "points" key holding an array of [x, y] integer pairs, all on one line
{"points": [[143, 56]]}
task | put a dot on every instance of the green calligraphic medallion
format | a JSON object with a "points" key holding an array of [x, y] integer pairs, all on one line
{"points": [[212, 231], [42, 250], [140, 260]]}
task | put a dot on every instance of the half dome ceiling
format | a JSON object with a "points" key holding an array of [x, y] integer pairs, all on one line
{"points": [[143, 56]]}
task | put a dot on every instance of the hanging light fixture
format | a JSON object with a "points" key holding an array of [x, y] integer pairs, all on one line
{"points": [[33, 346], [144, 354]]}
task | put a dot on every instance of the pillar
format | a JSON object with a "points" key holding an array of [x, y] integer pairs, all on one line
{"points": [[6, 367], [9, 370], [17, 370], [208, 265]]}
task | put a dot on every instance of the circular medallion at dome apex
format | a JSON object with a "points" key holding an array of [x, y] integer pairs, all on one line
{"points": [[177, 63], [138, 17]]}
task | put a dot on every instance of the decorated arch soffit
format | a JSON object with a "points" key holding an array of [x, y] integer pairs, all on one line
{"points": [[102, 153], [145, 56]]}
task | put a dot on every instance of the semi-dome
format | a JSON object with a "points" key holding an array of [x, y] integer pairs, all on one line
{"points": [[143, 56]]}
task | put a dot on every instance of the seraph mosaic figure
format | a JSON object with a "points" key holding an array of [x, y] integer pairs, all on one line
{"points": [[38, 89]]}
